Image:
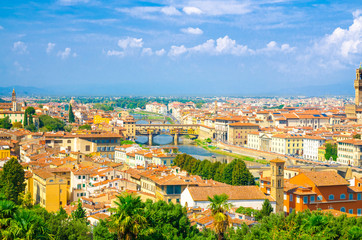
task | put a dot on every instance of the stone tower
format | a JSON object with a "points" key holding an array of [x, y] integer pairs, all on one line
{"points": [[13, 101], [215, 107], [277, 183], [358, 86], [13, 96]]}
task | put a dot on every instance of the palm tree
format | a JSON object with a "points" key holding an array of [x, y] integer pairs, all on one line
{"points": [[219, 205], [27, 225], [128, 219], [7, 211]]}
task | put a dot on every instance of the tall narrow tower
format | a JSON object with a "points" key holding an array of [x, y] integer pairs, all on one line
{"points": [[277, 183], [215, 107], [358, 86], [13, 101]]}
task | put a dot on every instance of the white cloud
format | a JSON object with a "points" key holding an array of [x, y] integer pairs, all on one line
{"points": [[50, 47], [20, 47], [219, 46], [115, 53], [192, 10], [221, 7], [160, 52], [170, 10], [190, 30], [273, 46], [130, 43], [19, 67], [177, 50], [72, 2], [343, 42], [147, 51], [66, 53]]}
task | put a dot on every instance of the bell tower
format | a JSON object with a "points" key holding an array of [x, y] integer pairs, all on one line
{"points": [[13, 101], [277, 183], [358, 86]]}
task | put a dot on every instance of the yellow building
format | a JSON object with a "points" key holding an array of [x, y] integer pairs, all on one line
{"points": [[130, 125], [321, 153], [290, 144], [4, 151], [99, 119], [49, 190]]}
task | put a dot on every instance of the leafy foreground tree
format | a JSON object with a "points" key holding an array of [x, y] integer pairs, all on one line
{"points": [[128, 219], [219, 205], [134, 219], [12, 180]]}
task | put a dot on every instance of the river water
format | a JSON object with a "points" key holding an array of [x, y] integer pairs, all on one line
{"points": [[189, 147]]}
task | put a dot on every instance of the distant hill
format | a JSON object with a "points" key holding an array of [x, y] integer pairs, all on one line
{"points": [[22, 91], [321, 90]]}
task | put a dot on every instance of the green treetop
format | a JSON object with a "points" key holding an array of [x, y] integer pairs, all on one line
{"points": [[71, 114], [12, 180]]}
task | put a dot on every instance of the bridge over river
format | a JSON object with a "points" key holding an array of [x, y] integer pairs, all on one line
{"points": [[174, 130]]}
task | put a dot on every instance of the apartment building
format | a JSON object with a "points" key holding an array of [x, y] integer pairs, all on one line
{"points": [[287, 144], [318, 190], [49, 190], [238, 132], [350, 152], [103, 143], [311, 146]]}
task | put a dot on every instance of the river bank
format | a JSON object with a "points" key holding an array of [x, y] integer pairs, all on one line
{"points": [[214, 149]]}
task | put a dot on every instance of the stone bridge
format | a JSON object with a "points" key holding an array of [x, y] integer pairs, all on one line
{"points": [[168, 129]]}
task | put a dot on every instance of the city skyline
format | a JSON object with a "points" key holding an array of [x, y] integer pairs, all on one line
{"points": [[180, 47]]}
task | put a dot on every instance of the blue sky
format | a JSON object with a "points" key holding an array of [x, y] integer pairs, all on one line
{"points": [[186, 47]]}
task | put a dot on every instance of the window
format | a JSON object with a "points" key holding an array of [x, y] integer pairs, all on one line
{"points": [[350, 211], [83, 185], [69, 141], [312, 199], [343, 196], [350, 196], [84, 177], [305, 200], [79, 186], [87, 148], [79, 177], [358, 196], [60, 203], [331, 197], [343, 209], [291, 197], [359, 211], [177, 200], [298, 199], [169, 200]]}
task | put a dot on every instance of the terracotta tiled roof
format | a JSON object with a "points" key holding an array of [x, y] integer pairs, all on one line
{"points": [[234, 192], [328, 178]]}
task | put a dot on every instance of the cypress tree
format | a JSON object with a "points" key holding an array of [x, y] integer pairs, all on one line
{"points": [[25, 119], [12, 180], [266, 209], [237, 176], [31, 119], [71, 114]]}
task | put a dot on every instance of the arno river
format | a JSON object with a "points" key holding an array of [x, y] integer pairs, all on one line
{"points": [[188, 147]]}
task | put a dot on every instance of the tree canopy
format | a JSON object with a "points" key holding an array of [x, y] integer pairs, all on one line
{"points": [[5, 123], [235, 173], [12, 180], [51, 124]]}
